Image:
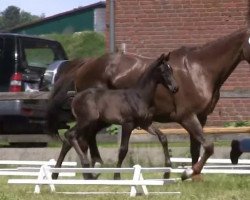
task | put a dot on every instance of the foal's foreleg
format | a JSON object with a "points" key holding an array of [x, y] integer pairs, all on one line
{"points": [[126, 133], [164, 142], [194, 128], [94, 151]]}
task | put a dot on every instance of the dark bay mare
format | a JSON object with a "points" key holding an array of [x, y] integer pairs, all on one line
{"points": [[97, 108], [199, 71]]}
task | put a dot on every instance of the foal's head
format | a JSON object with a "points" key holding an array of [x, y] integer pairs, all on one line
{"points": [[166, 73]]}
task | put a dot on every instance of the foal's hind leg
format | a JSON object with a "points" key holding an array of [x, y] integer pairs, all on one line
{"points": [[164, 142], [82, 154], [94, 153], [126, 133]]}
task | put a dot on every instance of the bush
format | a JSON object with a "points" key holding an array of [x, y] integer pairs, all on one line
{"points": [[81, 44], [237, 124], [113, 129]]}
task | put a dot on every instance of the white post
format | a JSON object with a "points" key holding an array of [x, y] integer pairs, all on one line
{"points": [[144, 187], [44, 173], [47, 174], [40, 177], [137, 176]]}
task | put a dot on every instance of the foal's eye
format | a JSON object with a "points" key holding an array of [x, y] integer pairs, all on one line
{"points": [[169, 67]]}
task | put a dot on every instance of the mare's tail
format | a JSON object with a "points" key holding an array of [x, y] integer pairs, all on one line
{"points": [[59, 104]]}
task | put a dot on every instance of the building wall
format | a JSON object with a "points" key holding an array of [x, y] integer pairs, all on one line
{"points": [[150, 27], [100, 20]]}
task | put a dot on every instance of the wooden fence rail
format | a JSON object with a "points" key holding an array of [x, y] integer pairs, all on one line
{"points": [[208, 130]]}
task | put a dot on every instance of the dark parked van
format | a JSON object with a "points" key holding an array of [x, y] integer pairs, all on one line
{"points": [[27, 65]]}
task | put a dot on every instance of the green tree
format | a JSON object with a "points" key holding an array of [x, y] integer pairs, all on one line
{"points": [[1, 23], [26, 17], [11, 17]]}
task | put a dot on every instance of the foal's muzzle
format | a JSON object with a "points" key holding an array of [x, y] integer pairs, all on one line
{"points": [[175, 89]]}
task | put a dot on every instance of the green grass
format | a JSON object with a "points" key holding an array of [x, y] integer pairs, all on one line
{"points": [[211, 187]]}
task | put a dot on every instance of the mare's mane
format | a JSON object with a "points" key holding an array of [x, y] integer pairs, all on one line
{"points": [[211, 44]]}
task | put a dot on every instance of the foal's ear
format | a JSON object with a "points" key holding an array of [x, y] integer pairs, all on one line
{"points": [[161, 58], [167, 56]]}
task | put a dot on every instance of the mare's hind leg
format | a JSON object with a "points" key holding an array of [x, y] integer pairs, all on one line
{"points": [[194, 128], [66, 146], [126, 133], [164, 142], [64, 150]]}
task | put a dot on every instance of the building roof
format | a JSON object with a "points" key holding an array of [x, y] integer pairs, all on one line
{"points": [[100, 4]]}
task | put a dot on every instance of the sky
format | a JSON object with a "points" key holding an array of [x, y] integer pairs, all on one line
{"points": [[47, 7]]}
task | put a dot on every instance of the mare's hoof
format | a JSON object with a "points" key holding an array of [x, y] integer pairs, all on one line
{"points": [[166, 175], [187, 174], [197, 178]]}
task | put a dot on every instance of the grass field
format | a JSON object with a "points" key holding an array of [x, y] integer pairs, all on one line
{"points": [[211, 187]]}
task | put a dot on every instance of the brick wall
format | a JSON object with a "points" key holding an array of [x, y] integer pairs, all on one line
{"points": [[150, 27]]}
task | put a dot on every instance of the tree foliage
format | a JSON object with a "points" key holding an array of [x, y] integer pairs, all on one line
{"points": [[12, 16], [82, 44]]}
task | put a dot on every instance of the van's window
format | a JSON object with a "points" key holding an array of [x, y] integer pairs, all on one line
{"points": [[39, 53], [39, 57]]}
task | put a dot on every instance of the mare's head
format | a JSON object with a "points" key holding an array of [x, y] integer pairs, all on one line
{"points": [[246, 47], [166, 73]]}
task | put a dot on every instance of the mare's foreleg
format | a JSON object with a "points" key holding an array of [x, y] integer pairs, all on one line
{"points": [[194, 128], [164, 142], [126, 133], [195, 145]]}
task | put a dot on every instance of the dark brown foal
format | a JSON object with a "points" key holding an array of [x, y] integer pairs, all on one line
{"points": [[97, 108]]}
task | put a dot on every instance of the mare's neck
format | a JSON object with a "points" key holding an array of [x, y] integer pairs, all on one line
{"points": [[219, 58]]}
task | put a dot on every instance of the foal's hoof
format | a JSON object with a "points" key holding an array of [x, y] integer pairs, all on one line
{"points": [[187, 174], [97, 165], [88, 177], [117, 176], [54, 176]]}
